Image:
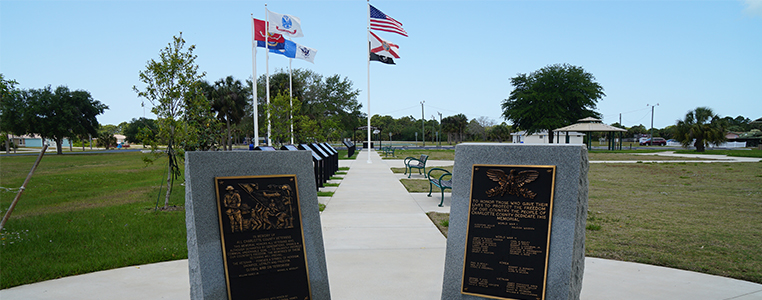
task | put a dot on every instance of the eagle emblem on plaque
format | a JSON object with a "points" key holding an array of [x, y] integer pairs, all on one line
{"points": [[512, 183]]}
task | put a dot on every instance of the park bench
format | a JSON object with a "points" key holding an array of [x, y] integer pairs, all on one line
{"points": [[443, 182], [420, 164], [388, 151]]}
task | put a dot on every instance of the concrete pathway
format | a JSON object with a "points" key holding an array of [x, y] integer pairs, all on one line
{"points": [[379, 244], [378, 240]]}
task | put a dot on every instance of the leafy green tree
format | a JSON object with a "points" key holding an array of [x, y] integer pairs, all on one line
{"points": [[737, 124], [52, 114], [637, 130], [142, 130], [229, 98], [455, 126], [476, 131], [110, 128], [500, 132], [331, 101], [552, 97], [9, 117], [172, 85], [701, 125]]}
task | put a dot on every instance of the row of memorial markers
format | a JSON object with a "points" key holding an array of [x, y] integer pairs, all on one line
{"points": [[325, 159], [517, 223]]}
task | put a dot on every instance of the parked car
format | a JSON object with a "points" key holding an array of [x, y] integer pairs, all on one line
{"points": [[656, 141]]}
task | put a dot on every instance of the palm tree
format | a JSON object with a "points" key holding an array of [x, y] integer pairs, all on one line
{"points": [[229, 98], [703, 125]]}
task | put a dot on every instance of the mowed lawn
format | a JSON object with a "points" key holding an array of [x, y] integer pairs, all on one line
{"points": [[703, 217], [86, 212]]}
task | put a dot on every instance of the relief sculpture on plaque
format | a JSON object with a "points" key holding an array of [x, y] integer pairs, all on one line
{"points": [[268, 208]]}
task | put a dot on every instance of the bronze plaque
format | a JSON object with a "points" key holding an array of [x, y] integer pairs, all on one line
{"points": [[262, 237], [508, 231]]}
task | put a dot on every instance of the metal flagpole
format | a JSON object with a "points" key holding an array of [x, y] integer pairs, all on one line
{"points": [[290, 101], [267, 79], [369, 82], [255, 110]]}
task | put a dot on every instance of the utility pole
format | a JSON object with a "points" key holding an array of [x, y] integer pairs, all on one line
{"points": [[439, 133], [652, 122], [423, 125]]}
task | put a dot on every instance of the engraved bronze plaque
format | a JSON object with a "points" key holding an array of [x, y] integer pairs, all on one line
{"points": [[508, 231], [262, 237]]}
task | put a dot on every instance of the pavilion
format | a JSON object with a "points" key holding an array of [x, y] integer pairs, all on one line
{"points": [[593, 125]]}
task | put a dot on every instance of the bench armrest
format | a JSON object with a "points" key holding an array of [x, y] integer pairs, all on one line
{"points": [[446, 173]]}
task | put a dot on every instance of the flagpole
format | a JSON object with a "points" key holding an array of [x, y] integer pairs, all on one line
{"points": [[255, 110], [267, 81], [290, 102], [369, 82]]}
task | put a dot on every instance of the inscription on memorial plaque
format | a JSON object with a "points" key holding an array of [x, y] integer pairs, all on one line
{"points": [[262, 237], [508, 231]]}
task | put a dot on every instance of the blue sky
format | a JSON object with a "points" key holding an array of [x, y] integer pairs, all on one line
{"points": [[459, 57]]}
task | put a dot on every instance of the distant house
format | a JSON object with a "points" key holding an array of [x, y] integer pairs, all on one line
{"points": [[120, 138], [36, 141], [542, 138], [732, 135]]}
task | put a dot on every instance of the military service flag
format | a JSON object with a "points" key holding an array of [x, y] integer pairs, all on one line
{"points": [[285, 24]]}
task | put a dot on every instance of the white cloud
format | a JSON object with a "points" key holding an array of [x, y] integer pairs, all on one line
{"points": [[753, 7]]}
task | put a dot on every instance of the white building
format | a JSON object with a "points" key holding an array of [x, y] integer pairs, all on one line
{"points": [[542, 137]]}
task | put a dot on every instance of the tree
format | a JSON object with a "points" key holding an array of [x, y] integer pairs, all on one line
{"points": [[140, 130], [701, 125], [552, 97], [476, 131], [9, 117], [229, 99], [454, 124], [637, 130], [52, 114], [172, 85], [331, 102], [500, 132], [106, 140]]}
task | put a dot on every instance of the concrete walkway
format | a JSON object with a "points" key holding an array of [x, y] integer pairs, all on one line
{"points": [[379, 244]]}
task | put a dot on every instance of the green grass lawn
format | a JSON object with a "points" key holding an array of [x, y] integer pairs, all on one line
{"points": [[86, 212]]}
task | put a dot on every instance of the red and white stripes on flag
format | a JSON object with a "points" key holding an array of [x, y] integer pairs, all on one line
{"points": [[383, 22]]}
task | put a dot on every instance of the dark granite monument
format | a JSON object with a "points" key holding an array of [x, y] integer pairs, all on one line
{"points": [[253, 226], [517, 222]]}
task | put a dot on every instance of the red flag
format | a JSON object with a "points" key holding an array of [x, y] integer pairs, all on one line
{"points": [[259, 33]]}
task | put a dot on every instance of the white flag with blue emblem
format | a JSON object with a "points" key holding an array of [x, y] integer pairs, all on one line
{"points": [[294, 50], [287, 25], [305, 53]]}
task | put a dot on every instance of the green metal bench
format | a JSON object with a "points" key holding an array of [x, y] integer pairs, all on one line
{"points": [[388, 151], [415, 163], [443, 182]]}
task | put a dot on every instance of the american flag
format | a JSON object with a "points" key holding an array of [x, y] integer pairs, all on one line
{"points": [[380, 21]]}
